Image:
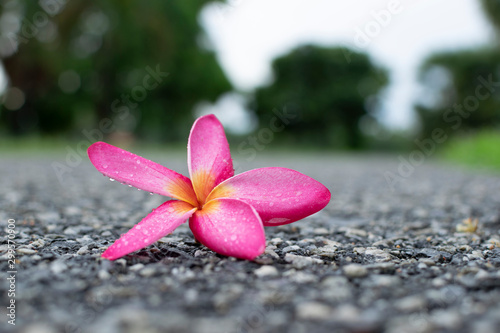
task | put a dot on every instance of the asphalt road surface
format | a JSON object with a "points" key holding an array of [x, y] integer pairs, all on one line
{"points": [[381, 257]]}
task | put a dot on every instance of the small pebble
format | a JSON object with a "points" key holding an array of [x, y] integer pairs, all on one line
{"points": [[83, 250], [313, 311], [136, 267], [291, 248], [378, 255], [26, 251], [266, 270], [58, 266], [300, 262], [103, 275], [148, 271], [411, 304], [355, 271]]}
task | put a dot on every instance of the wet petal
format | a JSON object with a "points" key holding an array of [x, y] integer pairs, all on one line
{"points": [[139, 172], [162, 221], [209, 158], [229, 227], [279, 195]]}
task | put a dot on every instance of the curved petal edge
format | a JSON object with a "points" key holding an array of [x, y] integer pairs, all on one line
{"points": [[162, 221], [132, 169], [279, 195]]}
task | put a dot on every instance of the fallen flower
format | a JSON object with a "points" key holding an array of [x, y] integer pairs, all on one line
{"points": [[226, 213]]}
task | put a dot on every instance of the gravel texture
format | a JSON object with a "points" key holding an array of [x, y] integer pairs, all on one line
{"points": [[375, 260]]}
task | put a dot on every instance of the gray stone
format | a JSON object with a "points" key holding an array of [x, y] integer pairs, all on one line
{"points": [[148, 271], [83, 250], [58, 266], [411, 303], [355, 271], [300, 262], [378, 255], [291, 248], [313, 311], [325, 251], [103, 275], [136, 267], [26, 251], [266, 270]]}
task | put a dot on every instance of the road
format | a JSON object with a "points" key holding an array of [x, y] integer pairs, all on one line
{"points": [[378, 258]]}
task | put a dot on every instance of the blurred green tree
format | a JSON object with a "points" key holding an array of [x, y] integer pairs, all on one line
{"points": [[462, 89], [325, 91], [492, 9], [142, 65]]}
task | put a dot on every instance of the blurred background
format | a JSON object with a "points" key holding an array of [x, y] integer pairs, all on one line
{"points": [[358, 75]]}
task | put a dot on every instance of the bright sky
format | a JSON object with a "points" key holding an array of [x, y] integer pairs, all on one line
{"points": [[248, 34]]}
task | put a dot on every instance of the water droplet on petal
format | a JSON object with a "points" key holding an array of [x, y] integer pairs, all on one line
{"points": [[151, 193], [138, 162], [138, 189], [111, 179], [129, 185], [105, 166], [138, 227], [271, 204]]}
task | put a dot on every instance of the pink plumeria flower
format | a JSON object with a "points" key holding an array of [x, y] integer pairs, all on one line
{"points": [[226, 213]]}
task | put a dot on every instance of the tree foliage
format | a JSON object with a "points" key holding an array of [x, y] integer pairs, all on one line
{"points": [[469, 96], [107, 49], [466, 100], [492, 9], [326, 91]]}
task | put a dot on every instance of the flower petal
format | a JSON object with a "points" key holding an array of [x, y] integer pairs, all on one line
{"points": [[229, 227], [162, 221], [209, 158], [139, 172], [279, 195]]}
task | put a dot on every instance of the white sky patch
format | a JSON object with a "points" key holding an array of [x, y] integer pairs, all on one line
{"points": [[248, 35], [230, 111]]}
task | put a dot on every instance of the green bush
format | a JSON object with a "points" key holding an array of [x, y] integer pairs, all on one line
{"points": [[481, 149]]}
